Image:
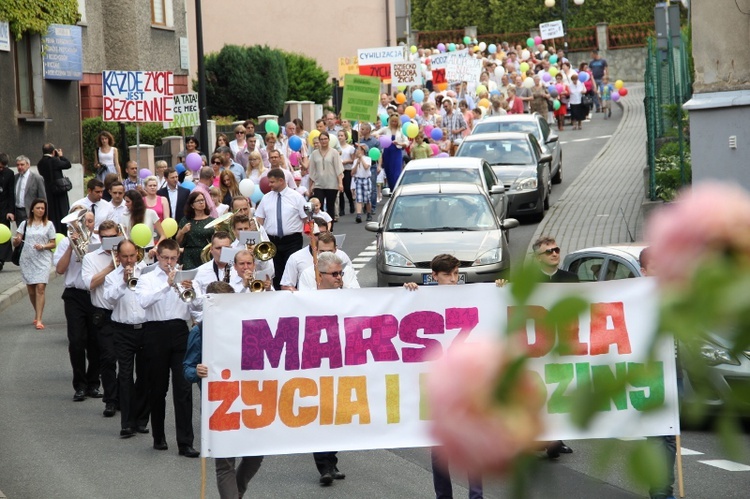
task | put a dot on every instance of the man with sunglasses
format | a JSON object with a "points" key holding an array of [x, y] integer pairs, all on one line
{"points": [[547, 257]]}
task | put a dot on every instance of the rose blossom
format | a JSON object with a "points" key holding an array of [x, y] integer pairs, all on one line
{"points": [[480, 434], [708, 219]]}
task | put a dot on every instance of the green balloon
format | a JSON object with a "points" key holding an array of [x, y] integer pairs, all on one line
{"points": [[272, 127], [467, 40], [374, 154], [556, 105], [140, 234], [530, 42]]}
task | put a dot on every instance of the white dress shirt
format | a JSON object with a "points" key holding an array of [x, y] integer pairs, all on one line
{"points": [[161, 303], [302, 259], [73, 277], [288, 176], [307, 279], [206, 275], [118, 212], [103, 210], [172, 193], [21, 189], [92, 264], [126, 309], [292, 211]]}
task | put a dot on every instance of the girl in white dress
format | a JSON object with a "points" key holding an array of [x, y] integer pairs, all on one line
{"points": [[107, 156]]}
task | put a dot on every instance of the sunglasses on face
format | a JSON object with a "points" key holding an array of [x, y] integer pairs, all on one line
{"points": [[335, 275], [216, 162], [549, 251]]}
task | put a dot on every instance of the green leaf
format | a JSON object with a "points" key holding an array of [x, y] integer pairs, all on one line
{"points": [[647, 463]]}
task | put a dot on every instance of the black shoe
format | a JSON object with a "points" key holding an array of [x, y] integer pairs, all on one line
{"points": [[369, 217], [564, 449], [142, 429], [342, 213], [351, 210], [358, 219], [337, 475], [127, 433], [553, 450], [2, 264], [160, 445], [94, 393], [326, 478], [109, 410], [79, 396], [188, 451]]}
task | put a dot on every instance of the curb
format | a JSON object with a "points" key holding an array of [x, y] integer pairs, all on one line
{"points": [[12, 296], [2, 496]]}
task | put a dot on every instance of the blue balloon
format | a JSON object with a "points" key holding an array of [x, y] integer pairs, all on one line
{"points": [[583, 76], [436, 134], [417, 96], [295, 143], [405, 119], [188, 185], [180, 168], [492, 48], [256, 196], [495, 92]]}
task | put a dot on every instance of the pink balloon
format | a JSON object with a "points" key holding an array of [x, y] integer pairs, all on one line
{"points": [[559, 87], [418, 107], [194, 161], [435, 149], [294, 158], [428, 130], [537, 40]]}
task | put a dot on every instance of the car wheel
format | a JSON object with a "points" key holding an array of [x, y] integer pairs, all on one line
{"points": [[548, 184], [557, 179], [539, 215]]}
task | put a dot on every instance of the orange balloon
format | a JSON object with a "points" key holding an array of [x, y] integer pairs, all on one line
{"points": [[410, 111], [442, 87], [400, 98], [485, 103]]}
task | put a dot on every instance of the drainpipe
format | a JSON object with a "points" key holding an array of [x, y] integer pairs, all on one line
{"points": [[387, 23]]}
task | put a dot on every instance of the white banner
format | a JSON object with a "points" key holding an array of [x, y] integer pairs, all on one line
{"points": [[440, 61], [463, 69], [185, 112], [138, 96], [406, 73], [553, 29], [383, 55], [346, 374]]}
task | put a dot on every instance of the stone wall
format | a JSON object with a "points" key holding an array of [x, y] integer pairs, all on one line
{"points": [[628, 65]]}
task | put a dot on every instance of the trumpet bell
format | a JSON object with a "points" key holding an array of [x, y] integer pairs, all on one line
{"points": [[257, 286], [206, 253], [132, 283], [225, 218], [187, 295], [264, 251]]}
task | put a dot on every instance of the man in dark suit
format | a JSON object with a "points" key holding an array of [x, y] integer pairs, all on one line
{"points": [[28, 187], [176, 194], [50, 168], [7, 204]]}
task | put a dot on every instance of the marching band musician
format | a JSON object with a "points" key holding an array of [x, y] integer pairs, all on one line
{"points": [[128, 319], [243, 223], [214, 270], [244, 265], [166, 335], [82, 341], [96, 265]]}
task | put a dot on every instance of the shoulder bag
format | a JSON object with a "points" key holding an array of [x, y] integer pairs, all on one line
{"points": [[16, 257], [62, 185]]}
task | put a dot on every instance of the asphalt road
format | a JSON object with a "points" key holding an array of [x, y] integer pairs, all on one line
{"points": [[53, 447]]}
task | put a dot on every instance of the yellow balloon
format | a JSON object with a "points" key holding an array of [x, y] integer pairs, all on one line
{"points": [[619, 84], [313, 135], [524, 67], [412, 130], [4, 234], [553, 71], [410, 111], [481, 89], [140, 234], [169, 225], [58, 237]]}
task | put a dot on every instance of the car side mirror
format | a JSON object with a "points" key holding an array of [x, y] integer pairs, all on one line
{"points": [[553, 137], [372, 227], [546, 158], [386, 192], [497, 189], [510, 223]]}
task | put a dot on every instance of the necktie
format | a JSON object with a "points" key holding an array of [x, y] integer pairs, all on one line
{"points": [[279, 227], [93, 209]]}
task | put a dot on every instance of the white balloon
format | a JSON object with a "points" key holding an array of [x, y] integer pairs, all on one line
{"points": [[499, 71], [525, 54], [528, 82], [247, 187], [482, 46]]}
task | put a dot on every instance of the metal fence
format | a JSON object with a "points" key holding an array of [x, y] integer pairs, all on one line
{"points": [[668, 86]]}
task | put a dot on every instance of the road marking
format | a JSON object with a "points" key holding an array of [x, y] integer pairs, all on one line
{"points": [[689, 452], [585, 140], [362, 260], [726, 465], [368, 253]]}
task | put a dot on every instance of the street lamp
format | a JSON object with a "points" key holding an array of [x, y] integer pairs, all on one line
{"points": [[564, 5]]}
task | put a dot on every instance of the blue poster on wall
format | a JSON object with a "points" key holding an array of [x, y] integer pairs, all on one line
{"points": [[63, 53]]}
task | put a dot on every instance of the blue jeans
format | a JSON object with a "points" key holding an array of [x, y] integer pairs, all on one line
{"points": [[441, 480], [374, 193], [597, 101]]}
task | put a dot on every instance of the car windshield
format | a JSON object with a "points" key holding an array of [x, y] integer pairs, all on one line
{"points": [[498, 152], [507, 126], [435, 175], [441, 212]]}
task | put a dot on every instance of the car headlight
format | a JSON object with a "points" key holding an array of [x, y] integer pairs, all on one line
{"points": [[714, 355], [489, 257], [525, 184], [394, 259]]}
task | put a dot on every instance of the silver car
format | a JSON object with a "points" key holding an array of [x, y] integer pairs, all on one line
{"points": [[425, 220], [726, 372]]}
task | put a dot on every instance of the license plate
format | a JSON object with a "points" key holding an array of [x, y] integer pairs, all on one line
{"points": [[427, 279]]}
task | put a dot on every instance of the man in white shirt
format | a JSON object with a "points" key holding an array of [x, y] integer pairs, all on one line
{"points": [[282, 214], [79, 313], [127, 324], [101, 208], [274, 158], [165, 344], [243, 223], [117, 192], [176, 194], [214, 270], [29, 186], [95, 267], [302, 260]]}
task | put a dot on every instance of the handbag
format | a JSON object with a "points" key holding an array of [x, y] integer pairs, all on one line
{"points": [[16, 256], [62, 185], [587, 100]]}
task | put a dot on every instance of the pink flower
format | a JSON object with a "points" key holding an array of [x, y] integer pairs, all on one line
{"points": [[705, 221], [479, 434]]}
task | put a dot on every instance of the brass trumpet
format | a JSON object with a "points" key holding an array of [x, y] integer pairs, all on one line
{"points": [[257, 286], [131, 279]]}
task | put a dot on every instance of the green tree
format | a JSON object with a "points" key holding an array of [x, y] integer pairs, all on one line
{"points": [[245, 81], [307, 80], [35, 16]]}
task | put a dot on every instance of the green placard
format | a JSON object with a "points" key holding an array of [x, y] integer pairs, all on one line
{"points": [[360, 101]]}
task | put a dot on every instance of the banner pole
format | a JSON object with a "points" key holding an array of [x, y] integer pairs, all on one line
{"points": [[203, 478], [138, 143], [680, 483]]}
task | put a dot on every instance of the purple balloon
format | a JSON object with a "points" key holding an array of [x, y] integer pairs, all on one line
{"points": [[583, 76], [442, 155], [436, 134], [385, 141], [144, 172], [615, 96], [194, 161], [405, 119], [441, 47], [546, 77]]}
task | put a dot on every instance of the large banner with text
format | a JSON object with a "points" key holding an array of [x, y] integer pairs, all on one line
{"points": [[138, 96], [344, 369]]}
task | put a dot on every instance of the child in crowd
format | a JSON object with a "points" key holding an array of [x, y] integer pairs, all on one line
{"points": [[444, 144], [317, 212], [420, 149], [362, 181], [605, 97], [380, 180]]}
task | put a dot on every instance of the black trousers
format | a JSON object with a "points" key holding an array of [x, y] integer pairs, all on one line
{"points": [[285, 246], [165, 345], [107, 355], [325, 461], [133, 395], [347, 192], [327, 197], [82, 341]]}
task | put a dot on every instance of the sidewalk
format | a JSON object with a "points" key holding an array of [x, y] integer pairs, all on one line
{"points": [[605, 199]]}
